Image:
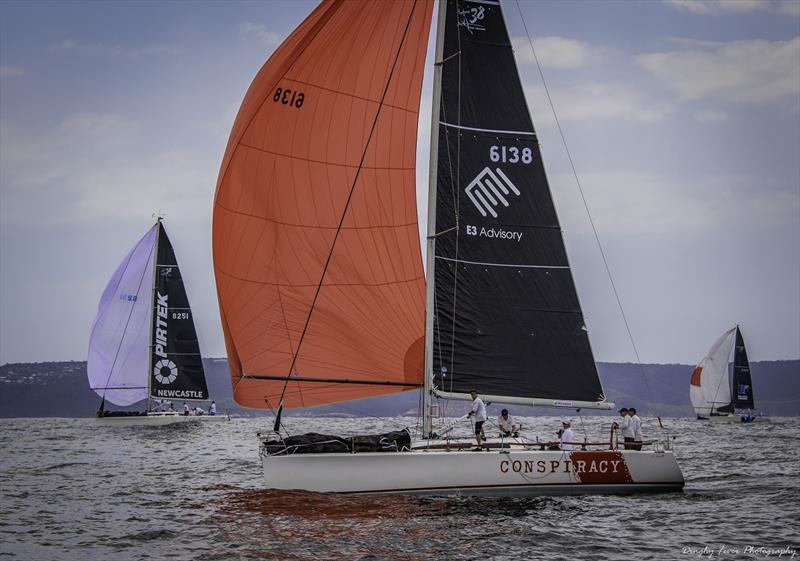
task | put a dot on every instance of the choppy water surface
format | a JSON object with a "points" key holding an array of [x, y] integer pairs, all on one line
{"points": [[71, 490]]}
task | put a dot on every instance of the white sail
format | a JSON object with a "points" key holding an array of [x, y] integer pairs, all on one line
{"points": [[709, 389], [119, 344]]}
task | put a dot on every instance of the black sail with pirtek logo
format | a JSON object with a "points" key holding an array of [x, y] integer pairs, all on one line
{"points": [[506, 315], [177, 367]]}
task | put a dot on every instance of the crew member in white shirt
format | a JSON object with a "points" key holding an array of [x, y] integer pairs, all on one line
{"points": [[213, 409], [505, 423], [567, 435], [478, 410], [625, 427], [636, 425]]}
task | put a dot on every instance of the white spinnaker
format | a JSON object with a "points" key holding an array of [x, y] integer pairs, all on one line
{"points": [[119, 345], [715, 389]]}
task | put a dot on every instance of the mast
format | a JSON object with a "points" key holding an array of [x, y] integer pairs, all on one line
{"points": [[427, 390], [152, 312]]}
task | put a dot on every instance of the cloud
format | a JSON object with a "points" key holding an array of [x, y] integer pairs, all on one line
{"points": [[623, 202], [10, 71], [757, 71], [555, 52], [713, 7], [109, 51], [92, 166], [597, 101], [710, 116], [269, 38]]}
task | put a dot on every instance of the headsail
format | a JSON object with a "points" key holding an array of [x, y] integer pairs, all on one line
{"points": [[506, 315], [710, 388], [118, 345], [177, 367], [316, 249]]}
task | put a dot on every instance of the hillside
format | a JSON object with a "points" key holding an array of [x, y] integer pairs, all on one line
{"points": [[59, 389]]}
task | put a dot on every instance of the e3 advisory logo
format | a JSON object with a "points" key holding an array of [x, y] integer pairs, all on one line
{"points": [[490, 189]]}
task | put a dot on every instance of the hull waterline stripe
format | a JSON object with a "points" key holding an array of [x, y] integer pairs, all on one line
{"points": [[462, 127], [503, 264]]}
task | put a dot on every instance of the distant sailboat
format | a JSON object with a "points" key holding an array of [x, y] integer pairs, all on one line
{"points": [[721, 383], [319, 271], [143, 343]]}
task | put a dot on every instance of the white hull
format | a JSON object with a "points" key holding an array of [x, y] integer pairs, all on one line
{"points": [[507, 472], [727, 419], [158, 419]]}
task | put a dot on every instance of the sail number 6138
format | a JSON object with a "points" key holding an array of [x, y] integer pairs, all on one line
{"points": [[510, 154], [289, 97]]}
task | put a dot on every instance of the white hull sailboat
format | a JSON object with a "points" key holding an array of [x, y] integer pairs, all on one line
{"points": [[319, 271], [143, 344], [721, 388], [157, 418], [515, 471]]}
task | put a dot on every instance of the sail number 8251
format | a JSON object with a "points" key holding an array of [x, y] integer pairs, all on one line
{"points": [[510, 154], [289, 97]]}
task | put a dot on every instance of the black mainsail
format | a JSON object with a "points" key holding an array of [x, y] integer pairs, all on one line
{"points": [[503, 313], [742, 391], [177, 366]]}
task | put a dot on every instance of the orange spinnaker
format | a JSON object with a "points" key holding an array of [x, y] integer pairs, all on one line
{"points": [[316, 248], [695, 381]]}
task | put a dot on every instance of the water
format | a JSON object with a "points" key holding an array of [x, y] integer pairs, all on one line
{"points": [[71, 490]]}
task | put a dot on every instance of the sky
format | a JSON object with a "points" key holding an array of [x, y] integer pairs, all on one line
{"points": [[682, 119]]}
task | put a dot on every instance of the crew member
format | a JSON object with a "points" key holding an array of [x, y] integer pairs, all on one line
{"points": [[213, 409], [636, 425], [506, 424], [566, 434], [626, 428], [478, 410]]}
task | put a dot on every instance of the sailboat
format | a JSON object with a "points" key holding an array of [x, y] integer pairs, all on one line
{"points": [[319, 270], [721, 383], [143, 343]]}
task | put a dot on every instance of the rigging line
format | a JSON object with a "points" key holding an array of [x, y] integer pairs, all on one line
{"points": [[586, 207], [130, 314], [350, 196]]}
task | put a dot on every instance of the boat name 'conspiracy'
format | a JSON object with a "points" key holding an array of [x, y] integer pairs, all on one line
{"points": [[552, 466]]}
